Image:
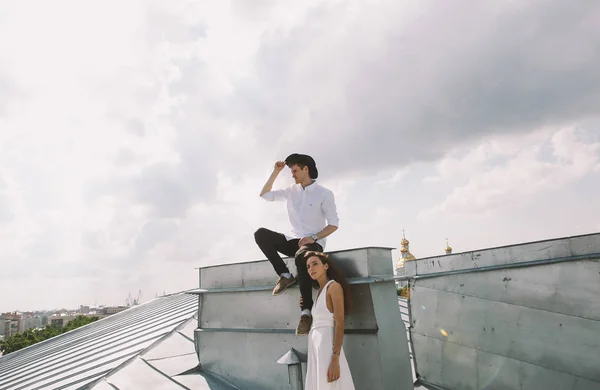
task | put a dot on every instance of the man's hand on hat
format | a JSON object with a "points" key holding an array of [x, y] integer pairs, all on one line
{"points": [[279, 165]]}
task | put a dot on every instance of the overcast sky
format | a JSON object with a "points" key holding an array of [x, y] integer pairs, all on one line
{"points": [[136, 135]]}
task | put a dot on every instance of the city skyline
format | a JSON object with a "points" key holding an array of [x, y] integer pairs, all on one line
{"points": [[127, 302]]}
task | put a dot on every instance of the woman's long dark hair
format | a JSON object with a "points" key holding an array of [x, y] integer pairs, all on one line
{"points": [[333, 273]]}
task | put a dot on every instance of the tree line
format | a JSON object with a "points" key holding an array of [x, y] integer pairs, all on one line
{"points": [[33, 336]]}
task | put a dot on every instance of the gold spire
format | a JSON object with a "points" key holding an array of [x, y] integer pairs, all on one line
{"points": [[404, 240], [405, 254], [448, 248]]}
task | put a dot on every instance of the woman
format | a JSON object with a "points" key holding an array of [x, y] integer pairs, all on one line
{"points": [[327, 367]]}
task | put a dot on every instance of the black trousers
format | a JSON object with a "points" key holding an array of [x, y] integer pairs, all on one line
{"points": [[272, 243]]}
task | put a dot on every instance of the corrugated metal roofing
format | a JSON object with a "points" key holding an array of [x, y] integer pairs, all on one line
{"points": [[86, 354], [170, 363]]}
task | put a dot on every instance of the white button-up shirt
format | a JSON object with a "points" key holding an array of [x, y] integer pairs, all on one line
{"points": [[309, 209]]}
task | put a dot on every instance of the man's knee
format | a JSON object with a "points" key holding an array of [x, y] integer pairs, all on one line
{"points": [[301, 253], [260, 234]]}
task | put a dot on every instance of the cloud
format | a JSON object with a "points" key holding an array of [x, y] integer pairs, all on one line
{"points": [[565, 156], [130, 155], [397, 177], [5, 206], [8, 93], [167, 189], [422, 79]]}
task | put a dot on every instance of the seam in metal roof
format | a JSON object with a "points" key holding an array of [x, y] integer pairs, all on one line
{"points": [[171, 362]]}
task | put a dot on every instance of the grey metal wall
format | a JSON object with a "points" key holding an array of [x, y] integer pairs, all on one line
{"points": [[243, 330], [518, 317]]}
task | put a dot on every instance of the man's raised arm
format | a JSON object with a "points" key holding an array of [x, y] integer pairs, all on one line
{"points": [[279, 165]]}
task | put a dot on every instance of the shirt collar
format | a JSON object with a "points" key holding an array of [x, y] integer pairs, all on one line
{"points": [[310, 187]]}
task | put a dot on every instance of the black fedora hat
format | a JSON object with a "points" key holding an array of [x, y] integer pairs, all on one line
{"points": [[303, 159]]}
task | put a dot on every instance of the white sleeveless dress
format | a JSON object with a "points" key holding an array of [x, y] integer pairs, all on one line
{"points": [[320, 350]]}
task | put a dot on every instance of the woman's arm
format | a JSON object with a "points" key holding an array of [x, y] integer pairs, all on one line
{"points": [[336, 293]]}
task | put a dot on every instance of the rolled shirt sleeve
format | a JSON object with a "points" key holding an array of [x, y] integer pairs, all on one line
{"points": [[275, 195], [330, 210]]}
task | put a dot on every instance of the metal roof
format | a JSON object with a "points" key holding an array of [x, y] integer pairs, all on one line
{"points": [[170, 363], [85, 355], [150, 346]]}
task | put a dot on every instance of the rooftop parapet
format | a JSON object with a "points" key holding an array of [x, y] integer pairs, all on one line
{"points": [[524, 316], [243, 330]]}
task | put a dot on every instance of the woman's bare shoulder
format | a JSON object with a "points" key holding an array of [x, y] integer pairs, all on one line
{"points": [[334, 287]]}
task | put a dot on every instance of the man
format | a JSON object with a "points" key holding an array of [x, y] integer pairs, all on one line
{"points": [[313, 217]]}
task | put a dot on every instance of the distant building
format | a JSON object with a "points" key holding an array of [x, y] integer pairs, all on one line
{"points": [[31, 321], [60, 320], [13, 323], [406, 255], [113, 310]]}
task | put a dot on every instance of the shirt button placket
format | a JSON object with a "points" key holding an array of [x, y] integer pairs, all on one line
{"points": [[303, 201]]}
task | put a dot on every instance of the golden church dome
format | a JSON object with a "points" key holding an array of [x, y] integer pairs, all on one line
{"points": [[448, 248], [405, 254]]}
